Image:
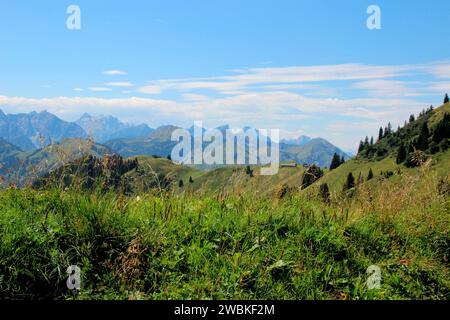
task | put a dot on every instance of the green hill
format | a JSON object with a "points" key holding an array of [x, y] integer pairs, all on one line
{"points": [[23, 167]]}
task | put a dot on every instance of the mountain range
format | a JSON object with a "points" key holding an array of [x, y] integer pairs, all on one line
{"points": [[25, 134]]}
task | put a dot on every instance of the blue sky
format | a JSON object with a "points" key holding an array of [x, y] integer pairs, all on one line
{"points": [[306, 67]]}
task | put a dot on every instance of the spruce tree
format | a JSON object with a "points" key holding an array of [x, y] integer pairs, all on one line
{"points": [[191, 180], [412, 118], [446, 100], [370, 175], [361, 147], [422, 141], [180, 183], [371, 141], [380, 134], [401, 154], [335, 162], [350, 183]]}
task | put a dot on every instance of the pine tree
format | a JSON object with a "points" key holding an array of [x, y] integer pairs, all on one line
{"points": [[370, 175], [191, 180], [409, 160], [401, 154], [371, 141], [335, 162], [350, 183], [446, 100], [422, 141], [342, 160], [361, 147], [380, 134], [411, 118], [180, 183]]}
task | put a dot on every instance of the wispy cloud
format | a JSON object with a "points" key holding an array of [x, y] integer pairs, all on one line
{"points": [[339, 102], [99, 89], [119, 84], [114, 72], [305, 77]]}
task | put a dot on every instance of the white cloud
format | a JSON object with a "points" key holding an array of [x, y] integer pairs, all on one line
{"points": [[390, 88], [152, 89], [78, 89], [99, 89], [119, 84], [304, 77], [195, 97], [114, 72], [281, 97]]}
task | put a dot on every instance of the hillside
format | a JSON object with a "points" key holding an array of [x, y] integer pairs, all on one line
{"points": [[382, 157], [23, 167], [10, 156]]}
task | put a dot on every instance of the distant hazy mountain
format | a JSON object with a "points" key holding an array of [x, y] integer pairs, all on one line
{"points": [[158, 143], [104, 128], [318, 151], [301, 150], [300, 141], [30, 131], [34, 130]]}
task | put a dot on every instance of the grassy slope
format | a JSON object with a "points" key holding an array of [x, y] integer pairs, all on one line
{"points": [[184, 247], [440, 164]]}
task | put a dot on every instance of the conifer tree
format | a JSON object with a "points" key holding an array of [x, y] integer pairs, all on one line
{"points": [[361, 147], [380, 134], [412, 118], [350, 183], [370, 175], [401, 154], [191, 180], [335, 162], [446, 99], [422, 141], [180, 183]]}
